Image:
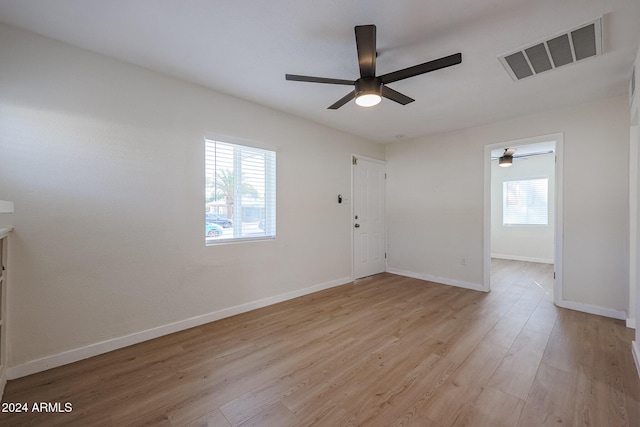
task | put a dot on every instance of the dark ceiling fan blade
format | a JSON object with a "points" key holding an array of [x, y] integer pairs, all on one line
{"points": [[366, 45], [311, 79], [348, 97], [523, 156], [393, 95], [427, 67]]}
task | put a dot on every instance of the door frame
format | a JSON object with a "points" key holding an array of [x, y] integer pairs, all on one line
{"points": [[351, 214], [558, 219]]}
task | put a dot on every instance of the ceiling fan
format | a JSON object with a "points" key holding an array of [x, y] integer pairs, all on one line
{"points": [[508, 156], [369, 88]]}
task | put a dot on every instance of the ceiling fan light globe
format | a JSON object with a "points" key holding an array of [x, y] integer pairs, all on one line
{"points": [[368, 99]]}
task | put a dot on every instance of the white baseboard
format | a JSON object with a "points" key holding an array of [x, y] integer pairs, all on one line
{"points": [[437, 279], [53, 361], [631, 323], [3, 382], [635, 349], [523, 258], [593, 309]]}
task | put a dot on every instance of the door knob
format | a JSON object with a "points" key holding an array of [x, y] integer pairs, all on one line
{"points": [[357, 226]]}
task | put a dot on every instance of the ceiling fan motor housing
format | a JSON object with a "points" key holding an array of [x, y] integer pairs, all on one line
{"points": [[368, 85]]}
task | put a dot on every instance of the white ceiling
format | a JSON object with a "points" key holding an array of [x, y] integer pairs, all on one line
{"points": [[245, 49]]}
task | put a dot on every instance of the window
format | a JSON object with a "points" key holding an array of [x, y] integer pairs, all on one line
{"points": [[525, 202], [240, 192]]}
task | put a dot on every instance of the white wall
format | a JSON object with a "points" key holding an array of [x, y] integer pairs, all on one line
{"points": [[633, 222], [529, 243], [105, 164], [435, 200], [634, 288]]}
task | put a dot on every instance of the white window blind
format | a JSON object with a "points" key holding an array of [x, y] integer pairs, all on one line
{"points": [[525, 202], [240, 192]]}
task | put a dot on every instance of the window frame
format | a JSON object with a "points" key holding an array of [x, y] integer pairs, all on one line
{"points": [[505, 207], [269, 186]]}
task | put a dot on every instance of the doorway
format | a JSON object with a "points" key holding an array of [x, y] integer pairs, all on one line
{"points": [[523, 205], [368, 217]]}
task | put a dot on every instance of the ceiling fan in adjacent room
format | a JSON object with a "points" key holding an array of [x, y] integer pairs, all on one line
{"points": [[506, 159], [369, 88], [508, 156]]}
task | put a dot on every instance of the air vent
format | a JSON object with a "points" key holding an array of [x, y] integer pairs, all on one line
{"points": [[572, 46]]}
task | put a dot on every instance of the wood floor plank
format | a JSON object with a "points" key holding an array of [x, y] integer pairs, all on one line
{"points": [[600, 393], [627, 365], [383, 351], [426, 387], [544, 316], [464, 385], [330, 415], [389, 383], [276, 415], [551, 399], [508, 328], [519, 367], [492, 408], [211, 419]]}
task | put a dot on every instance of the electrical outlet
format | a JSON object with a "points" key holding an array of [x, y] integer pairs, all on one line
{"points": [[463, 261]]}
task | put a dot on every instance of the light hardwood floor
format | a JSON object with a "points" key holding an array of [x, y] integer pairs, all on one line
{"points": [[386, 350]]}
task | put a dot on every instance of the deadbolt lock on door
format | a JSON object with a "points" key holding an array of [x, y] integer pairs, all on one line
{"points": [[357, 226]]}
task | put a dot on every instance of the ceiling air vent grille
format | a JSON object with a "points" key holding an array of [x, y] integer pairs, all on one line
{"points": [[575, 45]]}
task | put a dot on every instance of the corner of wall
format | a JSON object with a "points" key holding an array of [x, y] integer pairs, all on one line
{"points": [[592, 309], [631, 322], [438, 279]]}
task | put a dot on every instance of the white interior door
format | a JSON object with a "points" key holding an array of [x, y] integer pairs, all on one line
{"points": [[369, 231]]}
